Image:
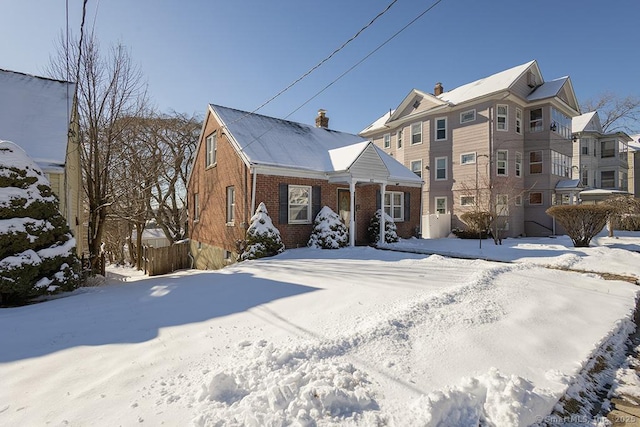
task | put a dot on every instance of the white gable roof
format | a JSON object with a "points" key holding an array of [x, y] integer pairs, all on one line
{"points": [[586, 122], [635, 142], [268, 141], [486, 86], [34, 114]]}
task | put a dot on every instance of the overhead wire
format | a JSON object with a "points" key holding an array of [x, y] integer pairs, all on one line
{"points": [[380, 46]]}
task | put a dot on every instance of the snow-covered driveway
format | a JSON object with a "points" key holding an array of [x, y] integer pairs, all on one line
{"points": [[353, 336]]}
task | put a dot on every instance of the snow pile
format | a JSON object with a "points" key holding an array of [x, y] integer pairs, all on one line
{"points": [[492, 399], [284, 387], [328, 231], [627, 381], [263, 238]]}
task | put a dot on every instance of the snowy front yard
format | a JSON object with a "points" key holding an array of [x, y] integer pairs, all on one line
{"points": [[317, 337]]}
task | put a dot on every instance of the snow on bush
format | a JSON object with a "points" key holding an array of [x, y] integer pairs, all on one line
{"points": [[36, 245], [328, 231], [263, 238], [390, 235]]}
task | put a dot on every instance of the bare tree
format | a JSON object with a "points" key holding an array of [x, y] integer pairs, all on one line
{"points": [[109, 90], [616, 113]]}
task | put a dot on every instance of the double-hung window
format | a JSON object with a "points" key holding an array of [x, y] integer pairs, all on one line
{"points": [[231, 205], [518, 121], [441, 129], [441, 168], [399, 138], [535, 120], [518, 164], [387, 140], [416, 133], [394, 205], [299, 204], [196, 207], [535, 162], [211, 146], [441, 205], [416, 167], [502, 117], [502, 157], [468, 200]]}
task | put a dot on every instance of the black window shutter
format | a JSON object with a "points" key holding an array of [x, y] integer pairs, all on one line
{"points": [[378, 200], [283, 215], [407, 206], [316, 199]]}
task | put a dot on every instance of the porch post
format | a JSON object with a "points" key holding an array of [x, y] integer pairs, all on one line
{"points": [[352, 216], [383, 188]]}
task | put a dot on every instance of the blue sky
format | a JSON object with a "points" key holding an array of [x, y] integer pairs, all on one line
{"points": [[240, 53]]}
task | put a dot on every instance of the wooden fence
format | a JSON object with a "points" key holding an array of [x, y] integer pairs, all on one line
{"points": [[167, 259]]}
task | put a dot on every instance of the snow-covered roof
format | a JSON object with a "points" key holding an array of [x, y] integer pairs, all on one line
{"points": [[635, 142], [568, 184], [379, 123], [34, 113], [486, 86], [547, 89], [580, 123], [269, 141]]}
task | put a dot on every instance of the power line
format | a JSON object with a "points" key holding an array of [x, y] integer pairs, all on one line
{"points": [[366, 56], [319, 64], [341, 75]]}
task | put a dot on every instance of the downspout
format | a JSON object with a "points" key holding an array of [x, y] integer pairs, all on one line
{"points": [[253, 192]]}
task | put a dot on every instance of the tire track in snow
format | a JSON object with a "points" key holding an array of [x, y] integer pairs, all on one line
{"points": [[310, 384]]}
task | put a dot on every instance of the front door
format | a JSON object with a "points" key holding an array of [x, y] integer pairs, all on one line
{"points": [[344, 206]]}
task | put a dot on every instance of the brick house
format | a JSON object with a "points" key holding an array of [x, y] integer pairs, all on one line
{"points": [[502, 142], [244, 159]]}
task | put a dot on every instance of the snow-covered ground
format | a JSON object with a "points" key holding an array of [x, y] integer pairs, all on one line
{"points": [[354, 336]]}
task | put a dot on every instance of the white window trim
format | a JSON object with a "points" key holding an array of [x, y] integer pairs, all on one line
{"points": [[399, 138], [515, 172], [541, 162], [231, 205], [421, 138], [446, 169], [309, 204], [419, 169], [519, 121], [541, 198], [468, 120], [211, 150], [392, 206], [475, 156], [506, 118], [386, 140], [506, 163], [435, 204], [435, 127], [196, 207], [468, 204]]}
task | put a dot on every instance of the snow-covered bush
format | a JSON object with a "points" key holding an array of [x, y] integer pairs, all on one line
{"points": [[390, 234], [36, 247], [263, 238], [329, 232]]}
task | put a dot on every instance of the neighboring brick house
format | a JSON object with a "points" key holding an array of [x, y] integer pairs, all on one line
{"points": [[38, 114], [505, 138], [244, 159]]}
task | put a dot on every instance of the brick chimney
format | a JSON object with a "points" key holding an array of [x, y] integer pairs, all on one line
{"points": [[322, 121], [438, 89]]}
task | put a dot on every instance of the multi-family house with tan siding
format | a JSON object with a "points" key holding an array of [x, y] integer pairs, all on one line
{"points": [[502, 143], [244, 159]]}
